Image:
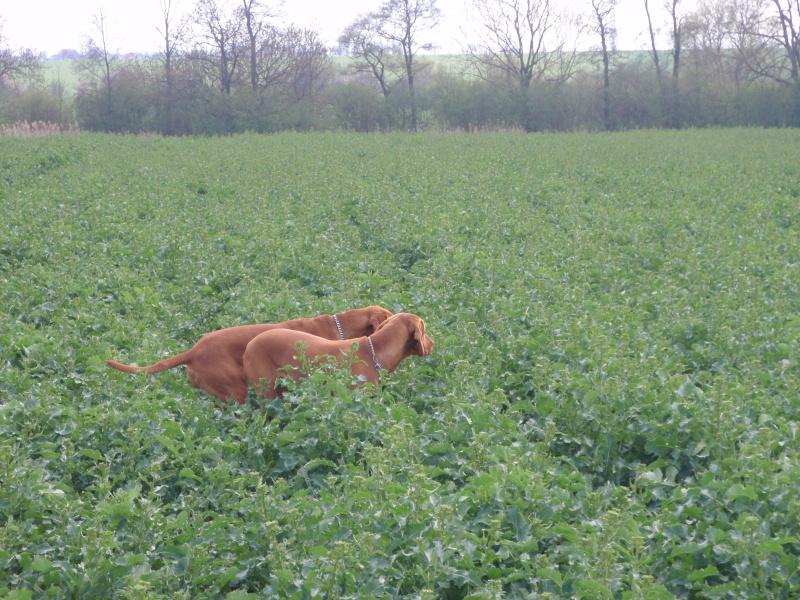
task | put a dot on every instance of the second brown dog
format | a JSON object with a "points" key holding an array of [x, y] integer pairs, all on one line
{"points": [[398, 337]]}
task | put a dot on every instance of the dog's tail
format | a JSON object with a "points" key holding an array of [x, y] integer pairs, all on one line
{"points": [[167, 363]]}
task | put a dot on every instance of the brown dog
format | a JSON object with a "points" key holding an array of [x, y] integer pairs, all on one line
{"points": [[398, 337], [214, 363]]}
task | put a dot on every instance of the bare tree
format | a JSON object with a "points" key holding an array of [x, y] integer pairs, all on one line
{"points": [[654, 48], [289, 57], [274, 58], [710, 36], [400, 22], [172, 34], [309, 62], [677, 21], [373, 55], [787, 34], [14, 65], [705, 36], [221, 32], [255, 18], [766, 35], [522, 40], [671, 99], [98, 64], [516, 34], [742, 19], [102, 53], [604, 27]]}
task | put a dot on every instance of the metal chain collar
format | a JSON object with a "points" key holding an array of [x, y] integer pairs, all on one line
{"points": [[375, 362], [338, 327]]}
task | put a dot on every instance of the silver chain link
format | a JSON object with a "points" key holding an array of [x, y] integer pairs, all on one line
{"points": [[375, 362], [338, 327]]}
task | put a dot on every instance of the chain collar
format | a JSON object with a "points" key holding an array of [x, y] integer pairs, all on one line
{"points": [[375, 362], [338, 327]]}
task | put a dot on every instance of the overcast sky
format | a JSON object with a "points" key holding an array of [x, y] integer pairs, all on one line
{"points": [[52, 25]]}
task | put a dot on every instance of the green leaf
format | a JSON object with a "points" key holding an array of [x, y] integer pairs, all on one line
{"points": [[240, 595], [654, 476], [738, 491], [771, 547], [591, 588], [227, 576], [41, 565], [568, 532], [553, 575], [519, 525], [686, 550], [705, 573], [92, 453]]}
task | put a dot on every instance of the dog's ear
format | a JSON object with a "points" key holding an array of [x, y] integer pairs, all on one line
{"points": [[377, 317], [423, 344]]}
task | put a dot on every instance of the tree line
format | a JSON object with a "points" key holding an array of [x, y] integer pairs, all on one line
{"points": [[224, 69]]}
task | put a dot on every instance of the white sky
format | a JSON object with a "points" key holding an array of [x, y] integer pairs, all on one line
{"points": [[52, 25]]}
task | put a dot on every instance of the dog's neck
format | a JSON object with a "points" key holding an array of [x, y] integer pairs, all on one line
{"points": [[348, 324], [338, 324], [376, 363], [389, 347]]}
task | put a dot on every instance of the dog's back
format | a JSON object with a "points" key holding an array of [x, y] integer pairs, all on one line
{"points": [[272, 350]]}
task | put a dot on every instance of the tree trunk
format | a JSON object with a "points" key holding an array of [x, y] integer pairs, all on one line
{"points": [[675, 117], [409, 60], [253, 65], [412, 97], [654, 50], [795, 117], [168, 118], [251, 36], [661, 92], [106, 67], [606, 81], [224, 76], [168, 125]]}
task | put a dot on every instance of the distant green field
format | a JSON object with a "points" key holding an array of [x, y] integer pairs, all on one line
{"points": [[64, 72], [611, 409]]}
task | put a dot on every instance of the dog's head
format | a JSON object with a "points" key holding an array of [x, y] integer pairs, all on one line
{"points": [[418, 341], [423, 344], [364, 321]]}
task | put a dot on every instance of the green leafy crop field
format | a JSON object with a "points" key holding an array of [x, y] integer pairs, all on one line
{"points": [[611, 409]]}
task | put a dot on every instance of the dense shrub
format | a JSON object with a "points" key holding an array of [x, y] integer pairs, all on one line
{"points": [[360, 108], [448, 97]]}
